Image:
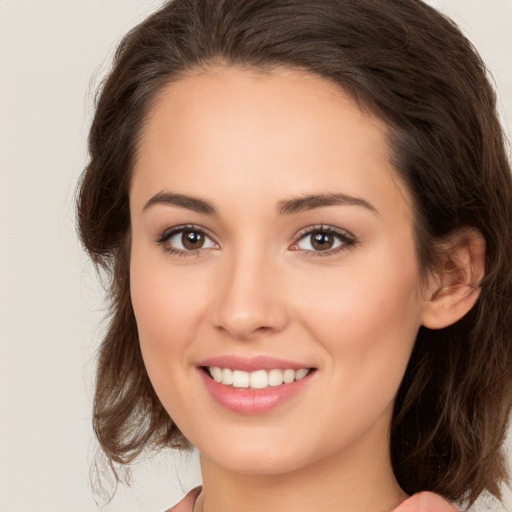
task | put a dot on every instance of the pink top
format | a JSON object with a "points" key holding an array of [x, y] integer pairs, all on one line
{"points": [[421, 502]]}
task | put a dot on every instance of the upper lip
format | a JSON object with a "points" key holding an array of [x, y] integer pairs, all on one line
{"points": [[251, 364]]}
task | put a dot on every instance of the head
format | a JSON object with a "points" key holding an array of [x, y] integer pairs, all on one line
{"points": [[406, 71]]}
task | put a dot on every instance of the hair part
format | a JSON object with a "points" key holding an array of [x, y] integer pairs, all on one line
{"points": [[410, 66]]}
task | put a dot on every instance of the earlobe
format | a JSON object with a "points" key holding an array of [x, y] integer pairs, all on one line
{"points": [[455, 286]]}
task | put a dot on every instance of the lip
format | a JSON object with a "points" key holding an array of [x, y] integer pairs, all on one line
{"points": [[251, 364], [252, 401]]}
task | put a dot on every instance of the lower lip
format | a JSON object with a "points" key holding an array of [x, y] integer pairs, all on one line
{"points": [[252, 401]]}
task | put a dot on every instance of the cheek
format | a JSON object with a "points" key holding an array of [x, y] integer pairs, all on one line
{"points": [[166, 300], [361, 301], [167, 310], [366, 317]]}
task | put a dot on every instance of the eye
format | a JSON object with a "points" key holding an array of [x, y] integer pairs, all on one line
{"points": [[186, 239], [324, 239]]}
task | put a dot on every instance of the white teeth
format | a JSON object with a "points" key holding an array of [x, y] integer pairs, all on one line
{"points": [[275, 377], [289, 376], [240, 379], [227, 376], [259, 379], [216, 374], [300, 374]]}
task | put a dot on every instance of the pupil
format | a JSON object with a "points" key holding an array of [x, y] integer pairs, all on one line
{"points": [[322, 241], [192, 240]]}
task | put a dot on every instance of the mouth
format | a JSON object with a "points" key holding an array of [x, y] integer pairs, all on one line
{"points": [[258, 379], [254, 385]]}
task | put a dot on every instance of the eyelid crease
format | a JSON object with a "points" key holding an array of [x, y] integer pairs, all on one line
{"points": [[170, 232], [167, 233], [347, 239], [327, 228]]}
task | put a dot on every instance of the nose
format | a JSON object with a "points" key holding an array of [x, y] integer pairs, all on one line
{"points": [[251, 299]]}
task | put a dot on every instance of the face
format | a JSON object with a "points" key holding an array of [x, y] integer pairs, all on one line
{"points": [[273, 270]]}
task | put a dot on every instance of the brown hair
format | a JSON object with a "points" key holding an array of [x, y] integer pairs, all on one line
{"points": [[410, 66]]}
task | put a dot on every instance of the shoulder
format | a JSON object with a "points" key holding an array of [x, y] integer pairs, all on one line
{"points": [[421, 502], [187, 503], [426, 502]]}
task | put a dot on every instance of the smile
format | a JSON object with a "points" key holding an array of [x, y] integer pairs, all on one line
{"points": [[259, 379], [254, 385]]}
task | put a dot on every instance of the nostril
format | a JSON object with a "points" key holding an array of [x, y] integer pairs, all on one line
{"points": [[263, 329]]}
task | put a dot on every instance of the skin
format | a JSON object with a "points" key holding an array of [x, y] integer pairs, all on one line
{"points": [[245, 141]]}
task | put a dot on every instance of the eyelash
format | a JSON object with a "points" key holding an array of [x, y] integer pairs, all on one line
{"points": [[169, 233], [346, 240]]}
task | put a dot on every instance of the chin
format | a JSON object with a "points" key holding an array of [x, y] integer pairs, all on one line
{"points": [[261, 464], [263, 456]]}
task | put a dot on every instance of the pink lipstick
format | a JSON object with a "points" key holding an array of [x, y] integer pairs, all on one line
{"points": [[253, 385]]}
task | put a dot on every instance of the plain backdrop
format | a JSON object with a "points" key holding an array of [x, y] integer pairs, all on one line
{"points": [[52, 55]]}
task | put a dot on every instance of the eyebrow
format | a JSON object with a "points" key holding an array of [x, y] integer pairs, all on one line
{"points": [[311, 202], [190, 203], [287, 207]]}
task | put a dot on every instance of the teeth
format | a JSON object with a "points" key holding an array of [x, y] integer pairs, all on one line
{"points": [[288, 376], [227, 376], [300, 374], [259, 379], [216, 373], [275, 377], [240, 379]]}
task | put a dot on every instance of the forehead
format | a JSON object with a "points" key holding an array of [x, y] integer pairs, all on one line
{"points": [[284, 131]]}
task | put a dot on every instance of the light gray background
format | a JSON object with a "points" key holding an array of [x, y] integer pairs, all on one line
{"points": [[52, 55]]}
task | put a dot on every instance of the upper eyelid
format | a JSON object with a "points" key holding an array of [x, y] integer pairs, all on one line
{"points": [[167, 233], [343, 233], [325, 227]]}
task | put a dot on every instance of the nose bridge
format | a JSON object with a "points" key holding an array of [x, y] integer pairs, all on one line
{"points": [[250, 299]]}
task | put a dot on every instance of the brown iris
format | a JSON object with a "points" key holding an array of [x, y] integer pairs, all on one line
{"points": [[192, 240], [322, 241]]}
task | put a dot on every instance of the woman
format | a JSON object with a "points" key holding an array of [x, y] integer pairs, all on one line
{"points": [[305, 209]]}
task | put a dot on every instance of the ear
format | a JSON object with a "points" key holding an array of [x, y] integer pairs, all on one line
{"points": [[455, 286]]}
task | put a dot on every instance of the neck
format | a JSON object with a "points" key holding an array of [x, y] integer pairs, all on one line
{"points": [[361, 481]]}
